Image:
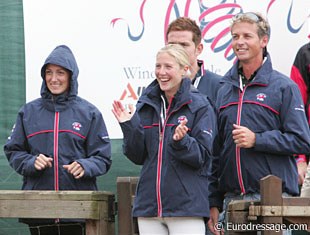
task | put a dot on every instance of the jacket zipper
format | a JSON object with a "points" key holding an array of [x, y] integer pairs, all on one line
{"points": [[56, 172], [159, 158], [238, 161]]}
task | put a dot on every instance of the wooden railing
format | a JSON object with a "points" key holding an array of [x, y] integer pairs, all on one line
{"points": [[271, 211], [96, 207]]}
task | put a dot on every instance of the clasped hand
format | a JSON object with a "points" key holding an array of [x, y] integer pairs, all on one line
{"points": [[180, 131], [42, 162]]}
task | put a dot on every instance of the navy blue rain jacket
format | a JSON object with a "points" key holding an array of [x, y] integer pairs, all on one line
{"points": [[173, 180], [271, 106], [209, 83], [66, 128]]}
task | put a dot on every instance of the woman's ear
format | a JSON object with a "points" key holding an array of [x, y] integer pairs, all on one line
{"points": [[187, 72]]}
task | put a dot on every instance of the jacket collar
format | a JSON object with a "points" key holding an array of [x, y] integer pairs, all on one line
{"points": [[262, 76]]}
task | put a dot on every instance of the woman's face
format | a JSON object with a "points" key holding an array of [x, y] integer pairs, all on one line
{"points": [[57, 79], [168, 73]]}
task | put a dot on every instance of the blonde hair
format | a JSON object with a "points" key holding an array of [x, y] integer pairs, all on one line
{"points": [[253, 18], [178, 53]]}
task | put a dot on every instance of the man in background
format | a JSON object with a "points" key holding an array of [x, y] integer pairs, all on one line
{"points": [[186, 32]]}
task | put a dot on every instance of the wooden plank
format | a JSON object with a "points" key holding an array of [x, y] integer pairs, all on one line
{"points": [[241, 205], [271, 195], [126, 187], [237, 217], [50, 209], [281, 211], [55, 195], [97, 227], [296, 201], [93, 227], [97, 207], [272, 209], [298, 221], [101, 226]]}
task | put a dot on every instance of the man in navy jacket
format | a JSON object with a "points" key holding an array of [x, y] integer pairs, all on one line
{"points": [[261, 121]]}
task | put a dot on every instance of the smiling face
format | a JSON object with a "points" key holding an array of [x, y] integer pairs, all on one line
{"points": [[57, 79], [246, 43], [169, 74]]}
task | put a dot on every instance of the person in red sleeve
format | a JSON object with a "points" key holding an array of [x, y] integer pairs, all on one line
{"points": [[300, 73]]}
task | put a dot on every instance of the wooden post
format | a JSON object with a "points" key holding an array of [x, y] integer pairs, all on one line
{"points": [[272, 210], [271, 195], [237, 213], [126, 188], [105, 224]]}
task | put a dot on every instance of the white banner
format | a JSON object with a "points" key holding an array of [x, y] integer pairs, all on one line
{"points": [[115, 42]]}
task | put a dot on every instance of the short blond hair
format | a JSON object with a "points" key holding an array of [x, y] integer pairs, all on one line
{"points": [[253, 18], [177, 52]]}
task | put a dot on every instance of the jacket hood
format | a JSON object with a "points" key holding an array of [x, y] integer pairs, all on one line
{"points": [[62, 56]]}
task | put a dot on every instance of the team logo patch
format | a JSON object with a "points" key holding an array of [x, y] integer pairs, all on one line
{"points": [[182, 118], [209, 132], [300, 108], [76, 126], [261, 96]]}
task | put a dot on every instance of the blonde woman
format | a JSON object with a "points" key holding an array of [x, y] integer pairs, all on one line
{"points": [[170, 133]]}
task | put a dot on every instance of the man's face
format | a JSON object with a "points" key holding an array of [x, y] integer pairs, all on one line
{"points": [[246, 43], [185, 39]]}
